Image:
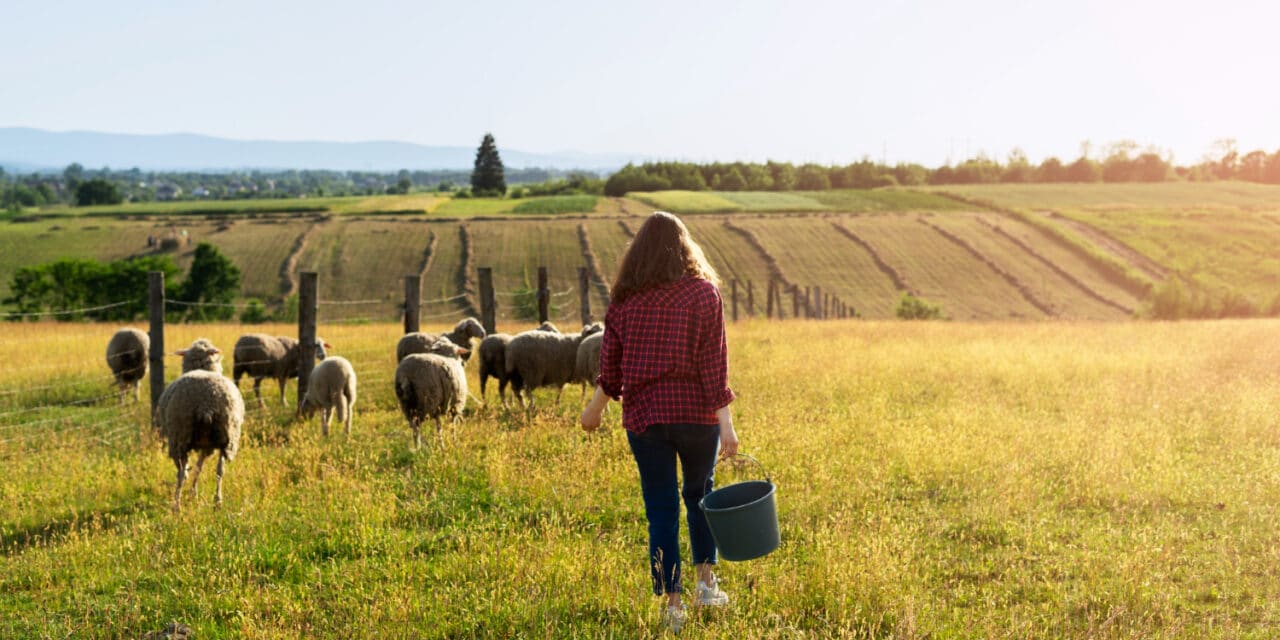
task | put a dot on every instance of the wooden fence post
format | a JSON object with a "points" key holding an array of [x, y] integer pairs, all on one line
{"points": [[156, 303], [412, 302], [768, 305], [488, 310], [777, 292], [584, 296], [817, 302], [544, 295], [751, 300], [795, 301], [307, 305], [733, 296]]}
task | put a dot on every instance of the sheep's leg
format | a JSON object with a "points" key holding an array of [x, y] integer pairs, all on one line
{"points": [[195, 477], [502, 392], [283, 382], [348, 407], [416, 425], [257, 392], [559, 392], [324, 421], [177, 489], [137, 391], [217, 496], [439, 428]]}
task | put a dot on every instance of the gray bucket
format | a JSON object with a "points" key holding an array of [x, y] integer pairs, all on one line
{"points": [[743, 518]]}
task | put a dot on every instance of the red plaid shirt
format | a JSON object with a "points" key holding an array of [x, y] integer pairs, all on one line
{"points": [[664, 353]]}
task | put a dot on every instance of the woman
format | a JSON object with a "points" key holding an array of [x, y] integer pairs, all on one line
{"points": [[664, 353]]}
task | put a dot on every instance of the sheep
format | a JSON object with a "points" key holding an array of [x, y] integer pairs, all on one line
{"points": [[430, 385], [200, 411], [332, 386], [127, 354], [588, 367], [201, 356], [419, 342], [493, 359], [263, 356], [543, 359]]}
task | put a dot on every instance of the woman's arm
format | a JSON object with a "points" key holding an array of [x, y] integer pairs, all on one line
{"points": [[593, 414], [728, 437]]}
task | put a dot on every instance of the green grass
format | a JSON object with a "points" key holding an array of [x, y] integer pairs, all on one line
{"points": [[557, 204], [935, 480], [883, 200], [688, 201]]}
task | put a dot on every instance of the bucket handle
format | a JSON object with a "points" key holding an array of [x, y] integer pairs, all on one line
{"points": [[707, 488]]}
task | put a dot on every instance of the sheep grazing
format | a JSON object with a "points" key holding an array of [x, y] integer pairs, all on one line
{"points": [[332, 386], [127, 354], [263, 356], [544, 359], [431, 385], [493, 359], [200, 411], [419, 342], [588, 366], [201, 356]]}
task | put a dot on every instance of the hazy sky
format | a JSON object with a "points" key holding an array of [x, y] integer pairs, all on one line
{"points": [[794, 80]]}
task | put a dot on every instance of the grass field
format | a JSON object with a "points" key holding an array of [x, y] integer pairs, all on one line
{"points": [[936, 480], [836, 200]]}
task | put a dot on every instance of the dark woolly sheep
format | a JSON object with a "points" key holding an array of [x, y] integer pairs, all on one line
{"points": [[263, 356], [493, 359], [127, 356], [543, 359]]}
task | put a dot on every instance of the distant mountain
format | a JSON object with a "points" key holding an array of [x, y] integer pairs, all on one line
{"points": [[25, 149]]}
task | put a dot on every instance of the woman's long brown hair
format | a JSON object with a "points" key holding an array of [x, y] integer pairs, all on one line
{"points": [[662, 252]]}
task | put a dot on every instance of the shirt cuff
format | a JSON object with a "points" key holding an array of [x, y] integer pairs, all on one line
{"points": [[723, 399], [612, 391]]}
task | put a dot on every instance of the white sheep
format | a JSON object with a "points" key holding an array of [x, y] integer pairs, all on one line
{"points": [[331, 387], [201, 356], [493, 359], [461, 335], [543, 359], [263, 356], [127, 354], [431, 385], [200, 411]]}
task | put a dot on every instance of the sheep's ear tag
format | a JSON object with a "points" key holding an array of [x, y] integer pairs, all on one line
{"points": [[463, 352], [215, 351], [327, 345]]}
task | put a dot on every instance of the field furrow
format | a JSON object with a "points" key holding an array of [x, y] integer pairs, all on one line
{"points": [[812, 254], [597, 280], [940, 270], [732, 257], [515, 251], [996, 268]]}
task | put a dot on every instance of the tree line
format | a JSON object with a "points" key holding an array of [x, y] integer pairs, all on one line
{"points": [[1120, 162]]}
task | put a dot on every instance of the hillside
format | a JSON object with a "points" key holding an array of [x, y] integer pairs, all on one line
{"points": [[1092, 252]]}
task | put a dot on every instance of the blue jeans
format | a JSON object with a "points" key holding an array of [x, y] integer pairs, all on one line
{"points": [[656, 451]]}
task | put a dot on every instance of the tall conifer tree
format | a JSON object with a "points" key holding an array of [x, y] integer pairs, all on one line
{"points": [[487, 178]]}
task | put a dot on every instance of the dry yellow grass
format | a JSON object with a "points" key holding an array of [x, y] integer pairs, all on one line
{"points": [[940, 480]]}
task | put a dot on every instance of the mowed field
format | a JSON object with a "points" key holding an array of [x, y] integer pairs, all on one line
{"points": [[1029, 252], [935, 480]]}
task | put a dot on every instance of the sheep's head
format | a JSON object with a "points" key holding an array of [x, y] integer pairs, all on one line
{"points": [[201, 355], [445, 347], [308, 407], [593, 328], [470, 328], [549, 327], [321, 345]]}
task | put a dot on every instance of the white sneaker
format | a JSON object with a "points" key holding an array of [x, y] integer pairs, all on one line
{"points": [[710, 595], [674, 617]]}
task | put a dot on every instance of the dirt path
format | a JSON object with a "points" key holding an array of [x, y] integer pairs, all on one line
{"points": [[1115, 248], [289, 268]]}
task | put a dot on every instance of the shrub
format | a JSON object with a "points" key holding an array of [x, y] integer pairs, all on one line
{"points": [[254, 312], [913, 308]]}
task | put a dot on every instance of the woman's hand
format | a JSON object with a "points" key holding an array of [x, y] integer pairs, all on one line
{"points": [[593, 414], [728, 437]]}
